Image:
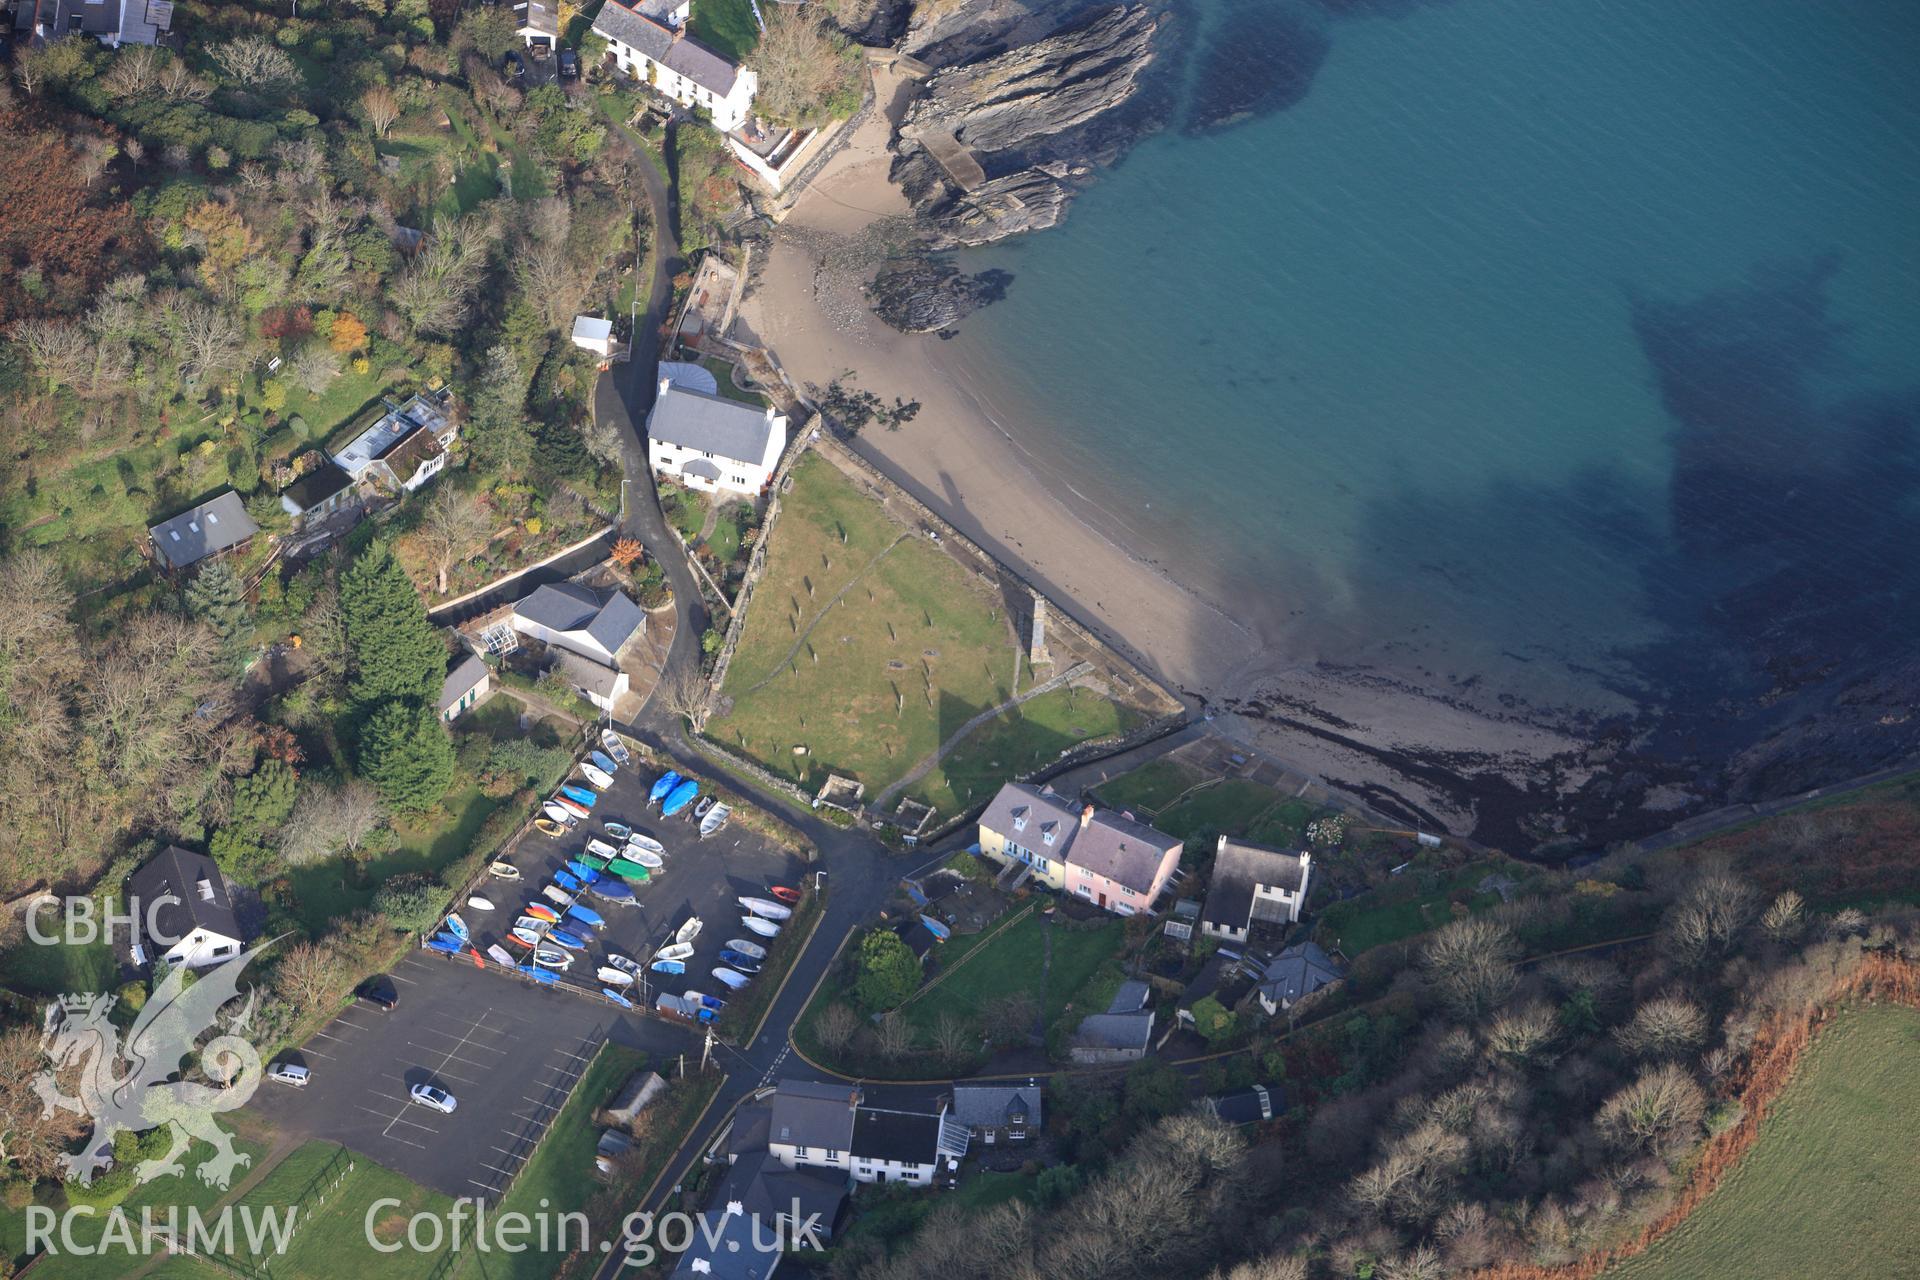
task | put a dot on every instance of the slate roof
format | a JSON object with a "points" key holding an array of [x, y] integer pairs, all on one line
{"points": [[1115, 1030], [723, 1249], [178, 873], [1018, 800], [910, 1137], [585, 673], [537, 17], [751, 1124], [463, 677], [1298, 972], [210, 528], [314, 488], [813, 1115], [56, 16], [1250, 1105], [768, 1190], [1237, 868], [1124, 851], [676, 52], [567, 606], [591, 329], [992, 1106], [709, 423], [1130, 998]]}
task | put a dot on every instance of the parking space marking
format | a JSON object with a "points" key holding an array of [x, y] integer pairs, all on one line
{"points": [[397, 978], [497, 1169], [418, 1146]]}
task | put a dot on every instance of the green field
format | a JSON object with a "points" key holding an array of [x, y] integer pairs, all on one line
{"points": [[331, 1239], [722, 371], [1018, 742], [1151, 787], [1830, 1187], [1013, 961], [726, 27]]}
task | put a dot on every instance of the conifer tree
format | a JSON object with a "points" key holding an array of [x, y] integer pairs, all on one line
{"points": [[392, 650], [217, 598], [405, 753]]}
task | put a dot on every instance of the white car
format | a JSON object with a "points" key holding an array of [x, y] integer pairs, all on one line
{"points": [[289, 1073], [428, 1096]]}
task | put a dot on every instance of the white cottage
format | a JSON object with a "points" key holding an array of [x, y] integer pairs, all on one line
{"points": [[708, 442], [649, 43], [183, 911]]}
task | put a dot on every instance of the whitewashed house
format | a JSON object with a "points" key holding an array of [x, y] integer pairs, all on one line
{"points": [[183, 911], [1254, 887], [828, 1126], [649, 43], [405, 449], [594, 624], [538, 23], [708, 442]]}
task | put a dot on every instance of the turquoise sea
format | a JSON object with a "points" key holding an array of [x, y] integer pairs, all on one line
{"points": [[1563, 350]]}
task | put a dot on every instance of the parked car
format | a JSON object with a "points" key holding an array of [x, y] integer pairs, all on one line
{"points": [[539, 52], [429, 1096], [569, 65], [379, 993], [289, 1073]]}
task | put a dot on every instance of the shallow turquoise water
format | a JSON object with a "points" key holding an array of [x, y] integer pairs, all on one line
{"points": [[1549, 347]]}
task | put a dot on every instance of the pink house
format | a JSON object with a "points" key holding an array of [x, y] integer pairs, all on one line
{"points": [[1118, 863]]}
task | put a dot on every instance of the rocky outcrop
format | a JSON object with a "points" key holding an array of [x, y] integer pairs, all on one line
{"points": [[1029, 200], [926, 295]]}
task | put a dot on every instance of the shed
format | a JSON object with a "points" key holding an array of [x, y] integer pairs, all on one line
{"points": [[591, 333], [641, 1088]]}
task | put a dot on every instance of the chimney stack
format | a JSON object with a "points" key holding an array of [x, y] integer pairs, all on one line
{"points": [[1086, 816]]}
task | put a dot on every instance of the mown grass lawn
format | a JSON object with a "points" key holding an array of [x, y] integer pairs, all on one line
{"points": [[726, 27], [1151, 787], [332, 1241], [1830, 1187], [328, 890], [1013, 961], [68, 966], [722, 371], [1398, 911], [1018, 742]]}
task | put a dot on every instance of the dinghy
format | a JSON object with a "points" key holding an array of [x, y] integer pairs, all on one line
{"points": [[765, 928], [581, 871], [446, 944], [940, 931], [613, 891], [541, 911], [565, 940], [647, 844], [600, 778], [550, 827], [745, 964], [523, 938], [620, 831], [580, 796], [557, 896], [557, 814], [783, 893], [675, 951], [615, 748], [498, 954], [616, 997], [732, 978], [602, 761], [714, 1003], [700, 809], [593, 862], [679, 798], [766, 907], [626, 964], [629, 870], [668, 966], [651, 861], [614, 977], [601, 849], [503, 871], [585, 915], [716, 818], [665, 783], [480, 904], [551, 958], [688, 931], [566, 881], [746, 948], [530, 922], [571, 808], [537, 974]]}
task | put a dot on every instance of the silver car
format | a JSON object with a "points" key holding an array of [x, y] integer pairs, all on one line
{"points": [[428, 1096]]}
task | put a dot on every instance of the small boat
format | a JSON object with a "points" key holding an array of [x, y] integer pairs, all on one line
{"points": [[614, 977], [550, 827], [566, 881], [744, 963], [668, 966], [551, 958], [558, 814], [616, 997], [732, 978], [527, 937], [746, 948], [647, 844], [587, 916], [679, 798], [626, 964], [566, 941], [503, 871], [700, 809], [537, 974], [629, 870], [785, 893], [714, 1003], [620, 831], [665, 783], [580, 795], [765, 928], [688, 931], [573, 809], [557, 896], [530, 922], [602, 761], [498, 954], [651, 861], [766, 907], [600, 778], [446, 944], [593, 862], [541, 911], [615, 748], [601, 849], [581, 871], [479, 903], [940, 931], [716, 818], [675, 951], [613, 891]]}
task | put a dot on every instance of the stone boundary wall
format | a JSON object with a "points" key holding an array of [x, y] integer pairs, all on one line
{"points": [[759, 773], [756, 566]]}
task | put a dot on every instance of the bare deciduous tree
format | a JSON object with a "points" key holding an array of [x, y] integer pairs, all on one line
{"points": [[1423, 1263], [1525, 1037], [255, 61], [801, 62], [1009, 1018], [309, 975], [180, 84], [1659, 1113], [1667, 1027], [60, 352], [382, 108], [834, 1029], [1707, 920], [33, 1136], [1275, 1266], [684, 694], [454, 527], [315, 365], [1785, 919], [895, 1035], [207, 337], [1470, 963], [953, 1037]]}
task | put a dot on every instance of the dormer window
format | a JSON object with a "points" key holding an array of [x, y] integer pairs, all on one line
{"points": [[1020, 819], [1048, 831]]}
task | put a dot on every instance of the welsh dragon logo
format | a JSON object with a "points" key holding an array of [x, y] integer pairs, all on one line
{"points": [[130, 1087]]}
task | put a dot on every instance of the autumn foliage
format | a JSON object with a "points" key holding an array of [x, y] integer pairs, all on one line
{"points": [[627, 553], [349, 334], [58, 240]]}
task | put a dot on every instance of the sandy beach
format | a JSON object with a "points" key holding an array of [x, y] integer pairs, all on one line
{"points": [[970, 455]]}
